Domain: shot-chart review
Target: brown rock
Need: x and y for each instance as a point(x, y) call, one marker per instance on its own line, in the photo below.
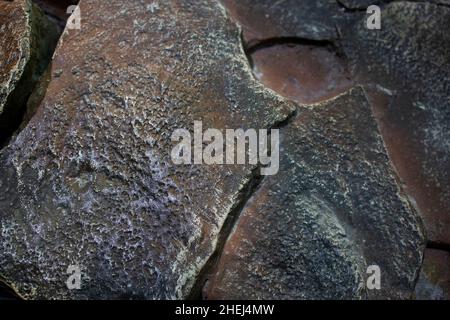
point(434, 280)
point(302, 73)
point(316, 20)
point(334, 209)
point(90, 181)
point(26, 47)
point(406, 69)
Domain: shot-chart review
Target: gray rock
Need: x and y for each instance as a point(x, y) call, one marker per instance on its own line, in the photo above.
point(406, 69)
point(268, 19)
point(334, 209)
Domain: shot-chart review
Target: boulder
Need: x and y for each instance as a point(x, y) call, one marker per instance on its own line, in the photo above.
point(405, 68)
point(26, 47)
point(333, 211)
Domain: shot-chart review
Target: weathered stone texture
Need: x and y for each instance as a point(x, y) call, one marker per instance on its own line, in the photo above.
point(406, 67)
point(90, 181)
point(15, 45)
point(26, 45)
point(434, 280)
point(311, 231)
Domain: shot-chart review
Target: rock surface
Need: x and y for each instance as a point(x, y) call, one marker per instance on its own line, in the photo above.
point(334, 209)
point(90, 182)
point(26, 46)
point(300, 72)
point(316, 20)
point(406, 69)
point(434, 280)
point(15, 45)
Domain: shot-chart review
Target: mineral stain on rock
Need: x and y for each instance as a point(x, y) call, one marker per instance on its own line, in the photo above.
point(301, 72)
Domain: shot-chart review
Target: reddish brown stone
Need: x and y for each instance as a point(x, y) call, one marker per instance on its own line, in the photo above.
point(267, 19)
point(303, 73)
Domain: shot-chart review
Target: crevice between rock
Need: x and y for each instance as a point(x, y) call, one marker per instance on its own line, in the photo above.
point(7, 292)
point(437, 245)
point(245, 195)
point(23, 101)
point(270, 42)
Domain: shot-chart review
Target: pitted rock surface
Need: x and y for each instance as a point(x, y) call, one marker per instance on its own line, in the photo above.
point(15, 45)
point(266, 19)
point(334, 209)
point(89, 182)
point(406, 69)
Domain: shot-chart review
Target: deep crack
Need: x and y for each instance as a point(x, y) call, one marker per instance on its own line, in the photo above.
point(245, 195)
point(438, 245)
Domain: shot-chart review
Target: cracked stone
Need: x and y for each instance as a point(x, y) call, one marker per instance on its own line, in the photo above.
point(90, 182)
point(311, 231)
point(434, 280)
point(26, 45)
point(405, 67)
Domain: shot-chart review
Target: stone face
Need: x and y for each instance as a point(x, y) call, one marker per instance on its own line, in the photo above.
point(406, 69)
point(56, 10)
point(334, 209)
point(315, 20)
point(434, 280)
point(90, 182)
point(26, 44)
